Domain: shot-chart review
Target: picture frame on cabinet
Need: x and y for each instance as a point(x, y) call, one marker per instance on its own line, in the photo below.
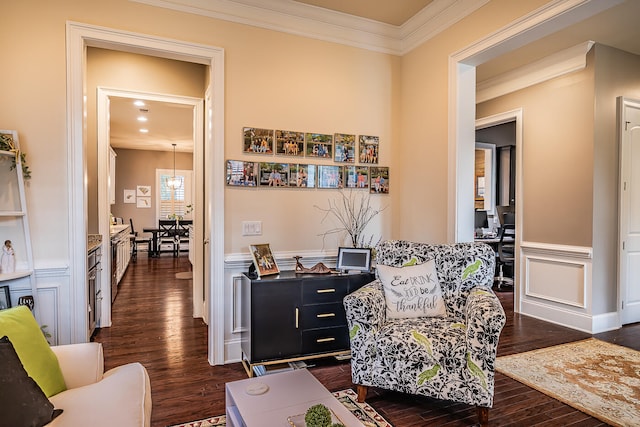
point(344, 147)
point(319, 145)
point(5, 298)
point(129, 196)
point(263, 259)
point(257, 141)
point(289, 143)
point(368, 147)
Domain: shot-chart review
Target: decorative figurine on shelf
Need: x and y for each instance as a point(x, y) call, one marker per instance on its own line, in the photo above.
point(319, 268)
point(8, 261)
point(299, 266)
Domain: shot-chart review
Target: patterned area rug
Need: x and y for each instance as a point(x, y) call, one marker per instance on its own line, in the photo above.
point(593, 376)
point(365, 413)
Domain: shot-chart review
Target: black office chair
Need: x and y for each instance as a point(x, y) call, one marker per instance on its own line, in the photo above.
point(506, 252)
point(135, 240)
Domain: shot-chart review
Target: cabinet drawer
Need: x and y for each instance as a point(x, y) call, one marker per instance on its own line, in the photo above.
point(325, 340)
point(332, 289)
point(323, 315)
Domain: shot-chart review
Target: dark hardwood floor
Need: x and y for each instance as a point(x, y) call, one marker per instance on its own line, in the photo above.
point(152, 324)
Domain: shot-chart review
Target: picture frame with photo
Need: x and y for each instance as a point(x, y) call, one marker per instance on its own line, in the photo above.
point(289, 143)
point(379, 179)
point(274, 174)
point(302, 175)
point(356, 176)
point(368, 149)
point(257, 140)
point(242, 174)
point(263, 259)
point(330, 176)
point(344, 148)
point(129, 196)
point(319, 145)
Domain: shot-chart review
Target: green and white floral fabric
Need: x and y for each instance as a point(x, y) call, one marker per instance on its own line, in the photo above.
point(450, 358)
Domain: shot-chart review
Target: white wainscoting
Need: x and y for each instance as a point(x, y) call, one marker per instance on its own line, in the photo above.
point(237, 264)
point(556, 286)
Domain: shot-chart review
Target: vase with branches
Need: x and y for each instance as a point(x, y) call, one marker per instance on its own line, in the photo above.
point(7, 144)
point(353, 211)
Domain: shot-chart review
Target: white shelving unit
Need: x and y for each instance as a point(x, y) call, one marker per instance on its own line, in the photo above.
point(14, 223)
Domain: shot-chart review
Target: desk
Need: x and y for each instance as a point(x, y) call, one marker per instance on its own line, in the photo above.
point(154, 250)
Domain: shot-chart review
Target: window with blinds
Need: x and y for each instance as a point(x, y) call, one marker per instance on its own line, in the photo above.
point(171, 201)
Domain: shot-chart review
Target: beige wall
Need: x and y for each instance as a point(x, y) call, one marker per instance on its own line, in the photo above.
point(557, 157)
point(138, 167)
point(125, 71)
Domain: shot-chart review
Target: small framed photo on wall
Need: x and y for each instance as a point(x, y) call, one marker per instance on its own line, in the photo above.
point(379, 179)
point(368, 149)
point(302, 176)
point(330, 176)
point(319, 145)
point(129, 196)
point(345, 148)
point(356, 176)
point(274, 174)
point(257, 141)
point(242, 174)
point(289, 143)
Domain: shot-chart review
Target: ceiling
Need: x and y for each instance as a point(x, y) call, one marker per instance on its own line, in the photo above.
point(168, 123)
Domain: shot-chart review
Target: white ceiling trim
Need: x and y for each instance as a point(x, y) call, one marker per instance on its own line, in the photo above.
point(556, 65)
point(322, 24)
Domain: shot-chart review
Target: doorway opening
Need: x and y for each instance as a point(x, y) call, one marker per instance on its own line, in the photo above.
point(79, 38)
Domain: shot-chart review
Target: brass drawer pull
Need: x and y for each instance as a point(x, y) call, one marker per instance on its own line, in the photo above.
point(325, 291)
point(322, 315)
point(297, 318)
point(325, 340)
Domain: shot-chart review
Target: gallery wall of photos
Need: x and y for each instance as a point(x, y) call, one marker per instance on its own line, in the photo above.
point(356, 159)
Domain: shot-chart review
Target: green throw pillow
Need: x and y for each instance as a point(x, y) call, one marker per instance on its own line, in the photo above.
point(33, 349)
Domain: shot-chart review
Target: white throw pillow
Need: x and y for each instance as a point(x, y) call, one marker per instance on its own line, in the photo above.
point(412, 291)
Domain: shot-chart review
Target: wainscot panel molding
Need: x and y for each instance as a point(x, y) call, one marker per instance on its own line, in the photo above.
point(238, 263)
point(328, 25)
point(556, 286)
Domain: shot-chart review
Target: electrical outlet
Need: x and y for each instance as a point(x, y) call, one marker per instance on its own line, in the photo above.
point(252, 228)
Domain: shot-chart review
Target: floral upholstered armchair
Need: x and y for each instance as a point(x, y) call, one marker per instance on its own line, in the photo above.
point(448, 354)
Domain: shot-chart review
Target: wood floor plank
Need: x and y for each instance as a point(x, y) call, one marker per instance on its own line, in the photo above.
point(152, 324)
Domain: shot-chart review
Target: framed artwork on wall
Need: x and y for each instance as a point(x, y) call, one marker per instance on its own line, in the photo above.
point(368, 149)
point(319, 145)
point(330, 176)
point(257, 141)
point(356, 176)
point(143, 190)
point(302, 176)
point(274, 174)
point(379, 180)
point(143, 202)
point(129, 196)
point(5, 298)
point(263, 259)
point(289, 143)
point(345, 148)
point(242, 174)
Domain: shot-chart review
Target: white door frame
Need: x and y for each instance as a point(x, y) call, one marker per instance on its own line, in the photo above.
point(79, 37)
point(624, 281)
point(197, 128)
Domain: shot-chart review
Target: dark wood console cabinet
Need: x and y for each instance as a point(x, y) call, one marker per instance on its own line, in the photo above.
point(289, 316)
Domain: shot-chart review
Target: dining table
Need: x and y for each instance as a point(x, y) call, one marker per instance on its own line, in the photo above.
point(154, 250)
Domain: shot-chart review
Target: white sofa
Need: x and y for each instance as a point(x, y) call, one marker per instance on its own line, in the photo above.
point(119, 397)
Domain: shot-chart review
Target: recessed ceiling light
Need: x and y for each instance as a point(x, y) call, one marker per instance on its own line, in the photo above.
point(142, 119)
point(144, 130)
point(138, 103)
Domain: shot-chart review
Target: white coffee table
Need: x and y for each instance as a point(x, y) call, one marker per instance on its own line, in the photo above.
point(290, 393)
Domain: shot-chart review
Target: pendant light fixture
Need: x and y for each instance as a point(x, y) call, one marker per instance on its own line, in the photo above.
point(174, 182)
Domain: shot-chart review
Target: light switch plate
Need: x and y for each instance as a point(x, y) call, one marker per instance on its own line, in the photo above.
point(252, 228)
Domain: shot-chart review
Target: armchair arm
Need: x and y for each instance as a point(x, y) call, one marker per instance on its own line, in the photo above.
point(81, 364)
point(366, 307)
point(485, 319)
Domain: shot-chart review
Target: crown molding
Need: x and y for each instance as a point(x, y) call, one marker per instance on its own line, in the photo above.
point(305, 20)
point(555, 65)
